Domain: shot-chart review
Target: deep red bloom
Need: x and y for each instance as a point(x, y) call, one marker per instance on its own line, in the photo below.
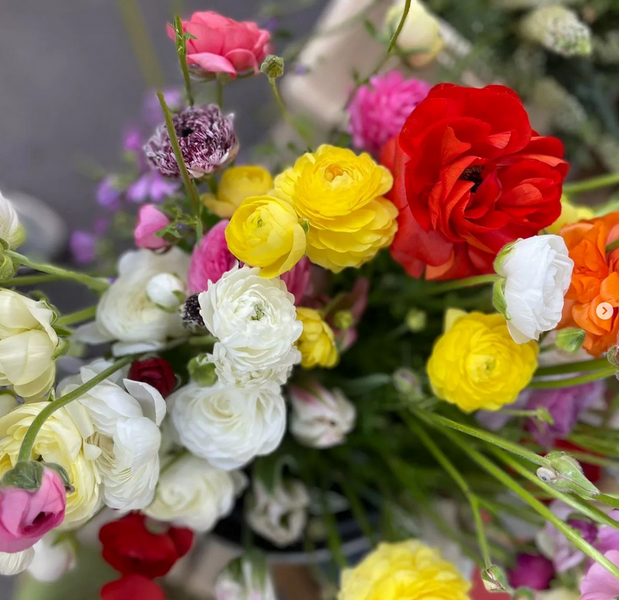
point(470, 176)
point(131, 548)
point(132, 587)
point(156, 372)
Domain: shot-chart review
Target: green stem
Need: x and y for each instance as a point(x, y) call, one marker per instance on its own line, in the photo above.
point(181, 50)
point(31, 280)
point(612, 246)
point(190, 188)
point(610, 500)
point(77, 317)
point(333, 537)
point(574, 367)
point(457, 284)
point(287, 116)
point(25, 452)
point(561, 383)
point(396, 34)
point(593, 183)
point(356, 507)
point(220, 94)
point(94, 283)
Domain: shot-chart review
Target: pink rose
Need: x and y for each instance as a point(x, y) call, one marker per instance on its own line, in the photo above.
point(378, 110)
point(26, 516)
point(224, 45)
point(150, 221)
point(297, 278)
point(210, 259)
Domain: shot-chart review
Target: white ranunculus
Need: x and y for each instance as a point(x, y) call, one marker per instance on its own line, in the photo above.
point(245, 578)
point(127, 314)
point(52, 559)
point(320, 418)
point(120, 426)
point(166, 290)
point(194, 494)
point(14, 563)
point(420, 32)
point(537, 273)
point(279, 516)
point(228, 426)
point(10, 229)
point(27, 344)
point(256, 324)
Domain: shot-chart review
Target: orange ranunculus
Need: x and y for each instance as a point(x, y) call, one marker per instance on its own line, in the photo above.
point(595, 280)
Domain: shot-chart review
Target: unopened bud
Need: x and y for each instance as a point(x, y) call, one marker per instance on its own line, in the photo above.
point(166, 290)
point(26, 475)
point(8, 268)
point(495, 580)
point(416, 320)
point(202, 371)
point(272, 66)
point(565, 474)
point(570, 339)
point(406, 382)
point(343, 319)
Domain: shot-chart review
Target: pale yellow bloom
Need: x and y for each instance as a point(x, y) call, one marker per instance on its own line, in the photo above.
point(265, 232)
point(236, 185)
point(317, 342)
point(476, 364)
point(404, 571)
point(570, 213)
point(340, 195)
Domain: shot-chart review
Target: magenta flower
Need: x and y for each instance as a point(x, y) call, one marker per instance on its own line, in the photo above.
point(26, 516)
point(378, 110)
point(598, 583)
point(150, 221)
point(297, 278)
point(210, 259)
point(532, 571)
point(83, 246)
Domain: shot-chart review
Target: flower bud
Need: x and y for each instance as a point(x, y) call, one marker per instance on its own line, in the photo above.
point(202, 370)
point(272, 66)
point(406, 382)
point(11, 232)
point(416, 320)
point(570, 339)
point(495, 580)
point(166, 290)
point(246, 578)
point(565, 474)
point(343, 320)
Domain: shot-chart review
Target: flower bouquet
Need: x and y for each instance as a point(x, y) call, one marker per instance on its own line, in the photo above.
point(409, 326)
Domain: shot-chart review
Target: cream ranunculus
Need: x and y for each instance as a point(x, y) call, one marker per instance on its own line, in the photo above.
point(61, 442)
point(279, 515)
point(166, 291)
point(27, 344)
point(14, 563)
point(11, 232)
point(321, 418)
point(52, 558)
point(194, 494)
point(227, 426)
point(256, 324)
point(126, 312)
point(536, 272)
point(120, 426)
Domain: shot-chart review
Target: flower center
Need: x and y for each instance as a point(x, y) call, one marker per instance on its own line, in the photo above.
point(473, 174)
point(333, 171)
point(186, 131)
point(258, 313)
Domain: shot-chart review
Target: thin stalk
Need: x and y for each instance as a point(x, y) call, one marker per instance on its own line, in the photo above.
point(357, 509)
point(574, 367)
point(31, 280)
point(593, 183)
point(94, 283)
point(77, 317)
point(287, 116)
point(561, 383)
point(396, 34)
point(220, 94)
point(181, 50)
point(457, 284)
point(333, 537)
point(610, 500)
point(190, 188)
point(25, 452)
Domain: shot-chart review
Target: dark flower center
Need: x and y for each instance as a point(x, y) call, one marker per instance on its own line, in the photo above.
point(473, 174)
point(186, 131)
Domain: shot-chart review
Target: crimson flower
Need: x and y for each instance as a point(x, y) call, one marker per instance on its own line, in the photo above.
point(132, 587)
point(156, 372)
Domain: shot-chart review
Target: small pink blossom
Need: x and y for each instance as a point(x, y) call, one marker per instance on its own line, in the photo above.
point(223, 45)
point(297, 278)
point(210, 259)
point(378, 110)
point(26, 516)
point(598, 583)
point(150, 221)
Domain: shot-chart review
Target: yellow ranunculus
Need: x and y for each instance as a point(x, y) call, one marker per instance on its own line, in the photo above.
point(570, 213)
point(265, 232)
point(476, 364)
point(59, 441)
point(340, 195)
point(27, 344)
point(404, 571)
point(237, 184)
point(317, 342)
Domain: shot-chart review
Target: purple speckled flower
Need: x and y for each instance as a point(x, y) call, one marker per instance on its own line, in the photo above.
point(206, 137)
point(83, 247)
point(151, 186)
point(532, 571)
point(378, 110)
point(108, 195)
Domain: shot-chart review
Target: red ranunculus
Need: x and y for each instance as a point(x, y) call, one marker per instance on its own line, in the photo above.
point(470, 176)
point(156, 372)
point(132, 587)
point(131, 548)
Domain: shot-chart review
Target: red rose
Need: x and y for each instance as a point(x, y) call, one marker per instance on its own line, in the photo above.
point(470, 176)
point(131, 548)
point(132, 587)
point(156, 372)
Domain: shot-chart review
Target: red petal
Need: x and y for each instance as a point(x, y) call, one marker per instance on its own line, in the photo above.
point(132, 587)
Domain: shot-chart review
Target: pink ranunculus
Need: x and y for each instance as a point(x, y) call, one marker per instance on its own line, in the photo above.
point(210, 259)
point(150, 221)
point(223, 45)
point(598, 583)
point(26, 516)
point(378, 110)
point(297, 278)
